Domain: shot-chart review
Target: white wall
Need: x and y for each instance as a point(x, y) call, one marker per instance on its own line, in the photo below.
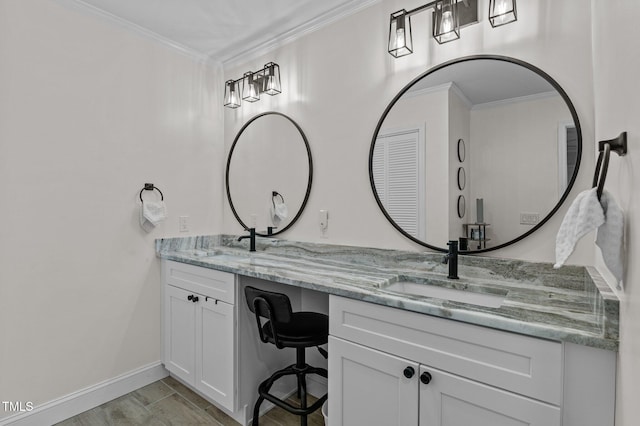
point(616, 60)
point(459, 128)
point(514, 162)
point(88, 114)
point(338, 80)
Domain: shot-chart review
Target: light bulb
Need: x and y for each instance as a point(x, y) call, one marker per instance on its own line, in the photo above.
point(252, 91)
point(271, 84)
point(447, 22)
point(500, 10)
point(400, 40)
point(234, 99)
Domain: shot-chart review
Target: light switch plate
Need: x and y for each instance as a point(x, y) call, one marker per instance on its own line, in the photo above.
point(184, 224)
point(529, 218)
point(323, 221)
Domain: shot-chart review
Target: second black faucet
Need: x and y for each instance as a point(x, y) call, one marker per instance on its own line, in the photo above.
point(252, 238)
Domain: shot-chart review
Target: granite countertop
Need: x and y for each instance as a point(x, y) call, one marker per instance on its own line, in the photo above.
point(572, 304)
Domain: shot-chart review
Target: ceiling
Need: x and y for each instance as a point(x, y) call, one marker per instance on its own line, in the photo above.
point(486, 81)
point(224, 29)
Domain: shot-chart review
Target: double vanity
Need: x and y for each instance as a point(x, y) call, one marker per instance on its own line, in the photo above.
point(509, 343)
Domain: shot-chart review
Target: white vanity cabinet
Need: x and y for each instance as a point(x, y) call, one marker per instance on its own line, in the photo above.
point(388, 367)
point(199, 330)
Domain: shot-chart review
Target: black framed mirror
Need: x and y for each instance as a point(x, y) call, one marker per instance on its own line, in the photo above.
point(269, 173)
point(511, 124)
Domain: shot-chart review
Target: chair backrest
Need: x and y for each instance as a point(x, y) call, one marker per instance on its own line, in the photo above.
point(267, 304)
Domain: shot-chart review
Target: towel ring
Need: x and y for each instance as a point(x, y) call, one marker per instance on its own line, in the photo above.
point(275, 194)
point(617, 145)
point(151, 187)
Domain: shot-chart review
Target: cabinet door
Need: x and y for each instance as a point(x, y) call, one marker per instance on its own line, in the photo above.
point(368, 387)
point(215, 351)
point(449, 400)
point(180, 333)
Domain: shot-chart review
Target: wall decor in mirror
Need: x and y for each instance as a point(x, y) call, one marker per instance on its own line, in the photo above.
point(461, 150)
point(462, 207)
point(269, 173)
point(511, 125)
point(462, 178)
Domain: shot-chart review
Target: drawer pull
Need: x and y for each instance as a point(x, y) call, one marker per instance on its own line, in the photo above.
point(425, 377)
point(409, 372)
point(190, 297)
point(195, 299)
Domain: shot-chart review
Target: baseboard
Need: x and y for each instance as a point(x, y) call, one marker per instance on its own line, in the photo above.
point(78, 402)
point(316, 385)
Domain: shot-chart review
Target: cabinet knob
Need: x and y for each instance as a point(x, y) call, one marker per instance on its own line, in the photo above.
point(190, 297)
point(409, 372)
point(425, 377)
point(195, 299)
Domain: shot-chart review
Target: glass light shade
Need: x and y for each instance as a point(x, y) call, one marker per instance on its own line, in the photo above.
point(400, 40)
point(250, 88)
point(272, 79)
point(231, 94)
point(446, 24)
point(502, 12)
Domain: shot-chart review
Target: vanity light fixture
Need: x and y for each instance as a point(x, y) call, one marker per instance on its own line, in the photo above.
point(400, 41)
point(266, 80)
point(250, 87)
point(447, 19)
point(502, 12)
point(231, 94)
point(446, 25)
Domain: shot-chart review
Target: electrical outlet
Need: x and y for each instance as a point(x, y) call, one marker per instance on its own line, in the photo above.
point(529, 218)
point(184, 223)
point(323, 221)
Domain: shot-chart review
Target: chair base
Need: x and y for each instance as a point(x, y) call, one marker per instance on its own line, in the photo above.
point(300, 369)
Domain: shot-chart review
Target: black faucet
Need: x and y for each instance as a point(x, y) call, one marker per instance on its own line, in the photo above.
point(452, 259)
point(252, 238)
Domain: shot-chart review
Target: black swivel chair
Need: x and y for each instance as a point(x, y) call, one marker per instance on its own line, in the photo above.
point(287, 329)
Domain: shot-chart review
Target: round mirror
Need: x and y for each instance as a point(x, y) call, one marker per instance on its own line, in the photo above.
point(513, 127)
point(269, 173)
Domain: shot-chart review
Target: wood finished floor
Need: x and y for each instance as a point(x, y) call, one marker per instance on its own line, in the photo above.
point(168, 402)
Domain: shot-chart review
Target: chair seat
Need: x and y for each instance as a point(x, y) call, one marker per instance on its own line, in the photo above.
point(306, 329)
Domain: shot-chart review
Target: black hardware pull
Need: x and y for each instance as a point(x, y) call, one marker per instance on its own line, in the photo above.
point(190, 297)
point(409, 372)
point(425, 378)
point(195, 299)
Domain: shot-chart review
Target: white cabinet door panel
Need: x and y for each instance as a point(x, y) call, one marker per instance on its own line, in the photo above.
point(367, 387)
point(215, 351)
point(450, 400)
point(180, 321)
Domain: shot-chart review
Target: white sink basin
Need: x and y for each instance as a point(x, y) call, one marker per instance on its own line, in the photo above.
point(462, 296)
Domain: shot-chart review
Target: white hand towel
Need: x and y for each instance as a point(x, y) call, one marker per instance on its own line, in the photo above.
point(584, 215)
point(151, 214)
point(279, 212)
point(610, 237)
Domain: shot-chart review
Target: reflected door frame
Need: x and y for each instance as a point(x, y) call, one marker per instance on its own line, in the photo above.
point(563, 176)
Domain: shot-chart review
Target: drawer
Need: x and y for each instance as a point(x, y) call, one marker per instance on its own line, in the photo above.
point(207, 282)
point(521, 364)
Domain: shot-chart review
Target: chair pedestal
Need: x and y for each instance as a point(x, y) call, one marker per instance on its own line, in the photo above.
point(300, 369)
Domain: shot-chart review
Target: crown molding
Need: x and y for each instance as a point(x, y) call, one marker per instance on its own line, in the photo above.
point(233, 58)
point(440, 88)
point(526, 98)
point(142, 31)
